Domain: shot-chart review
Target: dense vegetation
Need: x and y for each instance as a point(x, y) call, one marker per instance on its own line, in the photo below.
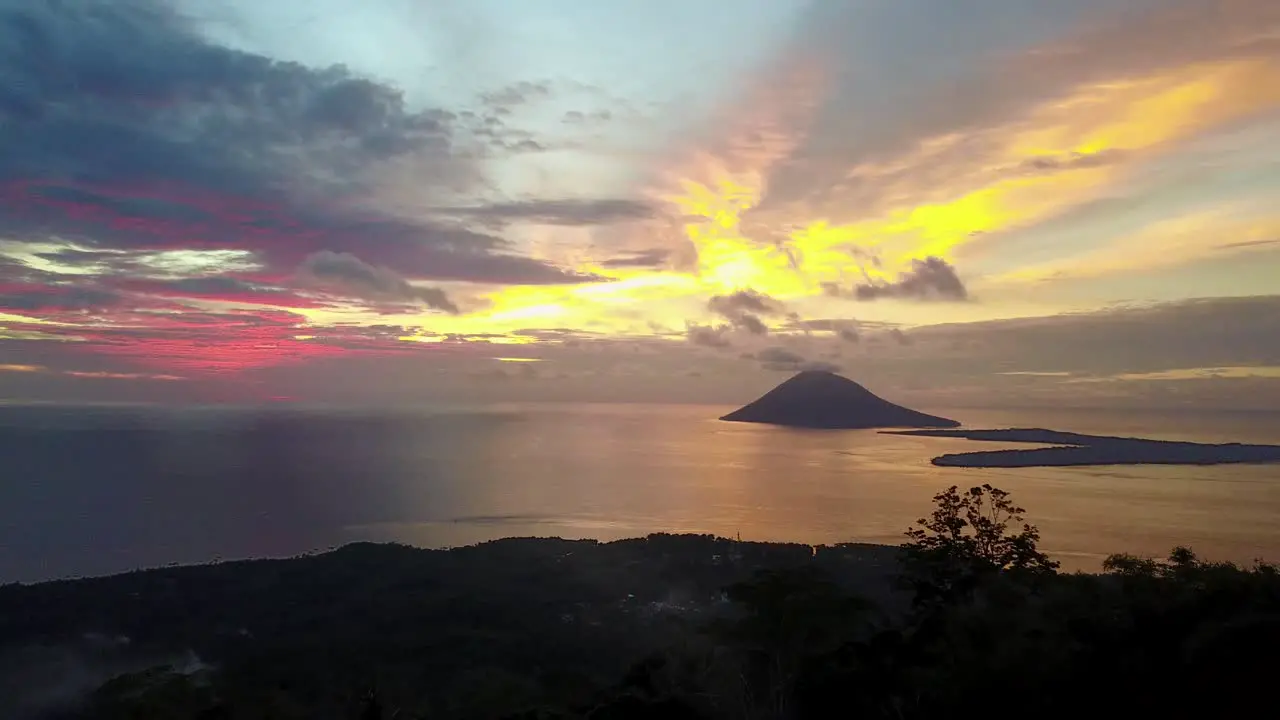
point(968, 618)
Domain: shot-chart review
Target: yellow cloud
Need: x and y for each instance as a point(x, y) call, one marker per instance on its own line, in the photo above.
point(22, 368)
point(1063, 153)
point(1189, 374)
point(1145, 112)
point(1169, 243)
point(711, 191)
point(102, 375)
point(949, 192)
point(23, 319)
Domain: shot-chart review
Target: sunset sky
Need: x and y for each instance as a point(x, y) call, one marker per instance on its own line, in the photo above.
point(386, 201)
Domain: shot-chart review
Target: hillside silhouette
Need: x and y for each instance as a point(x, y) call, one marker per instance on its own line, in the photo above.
point(967, 618)
point(824, 400)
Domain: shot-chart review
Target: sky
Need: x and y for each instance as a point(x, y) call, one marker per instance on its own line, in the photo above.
point(993, 202)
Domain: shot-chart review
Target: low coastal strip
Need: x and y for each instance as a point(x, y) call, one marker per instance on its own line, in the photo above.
point(1076, 449)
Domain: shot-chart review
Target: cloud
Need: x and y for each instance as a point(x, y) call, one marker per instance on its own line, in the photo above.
point(168, 199)
point(344, 272)
point(169, 342)
point(99, 91)
point(901, 337)
point(1251, 244)
point(745, 301)
point(568, 212)
point(518, 93)
point(223, 288)
point(104, 375)
point(929, 279)
point(1201, 333)
point(127, 130)
point(577, 117)
point(44, 298)
point(1245, 226)
point(780, 359)
point(278, 235)
point(1189, 374)
point(778, 355)
point(847, 331)
point(743, 308)
point(1035, 110)
point(1040, 164)
point(993, 74)
point(652, 258)
point(708, 336)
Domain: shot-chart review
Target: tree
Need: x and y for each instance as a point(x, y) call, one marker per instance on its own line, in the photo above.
point(790, 619)
point(968, 539)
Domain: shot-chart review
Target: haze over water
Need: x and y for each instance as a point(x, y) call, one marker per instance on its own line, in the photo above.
point(101, 490)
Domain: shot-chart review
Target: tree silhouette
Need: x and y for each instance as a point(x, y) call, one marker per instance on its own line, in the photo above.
point(968, 539)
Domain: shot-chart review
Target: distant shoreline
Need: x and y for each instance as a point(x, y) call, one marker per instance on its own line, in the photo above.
point(1080, 450)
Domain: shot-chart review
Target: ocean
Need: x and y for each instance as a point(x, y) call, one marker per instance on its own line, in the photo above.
point(99, 490)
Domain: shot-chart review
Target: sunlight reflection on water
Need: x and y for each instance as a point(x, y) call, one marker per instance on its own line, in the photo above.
point(116, 489)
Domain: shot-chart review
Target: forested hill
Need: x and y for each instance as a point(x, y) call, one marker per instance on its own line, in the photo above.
point(966, 619)
point(511, 623)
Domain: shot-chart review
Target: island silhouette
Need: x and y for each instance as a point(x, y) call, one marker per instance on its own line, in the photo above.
point(823, 400)
point(1078, 449)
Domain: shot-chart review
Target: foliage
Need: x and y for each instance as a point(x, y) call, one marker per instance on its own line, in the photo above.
point(158, 692)
point(966, 541)
point(787, 619)
point(685, 628)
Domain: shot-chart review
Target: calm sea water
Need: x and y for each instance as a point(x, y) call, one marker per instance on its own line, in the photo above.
point(90, 491)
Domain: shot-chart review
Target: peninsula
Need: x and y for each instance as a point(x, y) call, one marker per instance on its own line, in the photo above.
point(1076, 449)
point(824, 400)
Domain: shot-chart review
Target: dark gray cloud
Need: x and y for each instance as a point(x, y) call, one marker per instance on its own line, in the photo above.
point(745, 300)
point(222, 288)
point(743, 309)
point(1071, 161)
point(518, 93)
point(1211, 332)
point(652, 258)
point(778, 355)
point(751, 323)
point(709, 336)
point(929, 279)
point(347, 273)
point(212, 285)
point(577, 117)
point(1251, 244)
point(127, 88)
point(847, 330)
point(780, 359)
point(59, 298)
point(569, 212)
point(126, 129)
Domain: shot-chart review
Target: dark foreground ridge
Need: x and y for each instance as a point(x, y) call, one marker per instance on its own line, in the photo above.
point(824, 400)
point(966, 619)
point(471, 632)
point(1076, 449)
